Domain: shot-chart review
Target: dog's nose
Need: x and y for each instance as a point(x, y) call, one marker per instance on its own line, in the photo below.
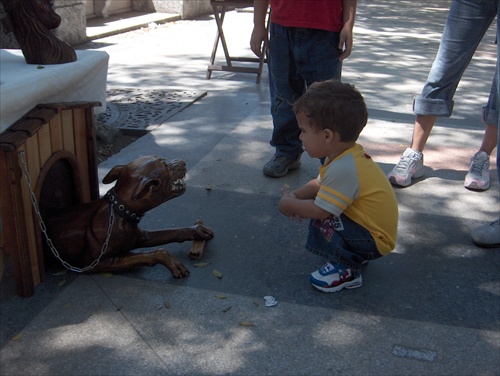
point(178, 163)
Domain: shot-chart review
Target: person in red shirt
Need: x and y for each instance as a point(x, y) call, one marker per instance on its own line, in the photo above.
point(308, 41)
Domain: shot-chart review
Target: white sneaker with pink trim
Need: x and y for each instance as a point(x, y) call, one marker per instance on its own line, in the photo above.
point(410, 166)
point(478, 177)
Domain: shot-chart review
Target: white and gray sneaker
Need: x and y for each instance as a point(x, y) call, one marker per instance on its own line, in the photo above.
point(410, 165)
point(488, 235)
point(478, 177)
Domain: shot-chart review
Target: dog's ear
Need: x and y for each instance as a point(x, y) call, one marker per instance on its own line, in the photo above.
point(113, 174)
point(145, 186)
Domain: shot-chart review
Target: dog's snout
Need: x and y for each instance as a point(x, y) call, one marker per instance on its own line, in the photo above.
point(178, 162)
point(178, 165)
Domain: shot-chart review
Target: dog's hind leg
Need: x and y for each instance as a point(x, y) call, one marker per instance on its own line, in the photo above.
point(151, 258)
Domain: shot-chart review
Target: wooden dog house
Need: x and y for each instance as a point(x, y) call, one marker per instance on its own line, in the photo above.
point(53, 143)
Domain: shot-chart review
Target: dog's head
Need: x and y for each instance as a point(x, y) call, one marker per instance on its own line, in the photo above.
point(148, 181)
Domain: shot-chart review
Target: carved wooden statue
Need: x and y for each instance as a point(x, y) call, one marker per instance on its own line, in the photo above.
point(32, 22)
point(103, 233)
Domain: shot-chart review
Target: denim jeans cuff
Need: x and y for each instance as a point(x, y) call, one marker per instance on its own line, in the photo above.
point(490, 116)
point(436, 107)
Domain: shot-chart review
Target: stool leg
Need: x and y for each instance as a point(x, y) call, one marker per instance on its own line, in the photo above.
point(220, 21)
point(216, 43)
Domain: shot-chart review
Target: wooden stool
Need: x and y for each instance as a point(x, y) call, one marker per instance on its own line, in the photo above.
point(219, 9)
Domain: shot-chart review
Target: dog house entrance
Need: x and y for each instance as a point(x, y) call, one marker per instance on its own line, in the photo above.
point(60, 187)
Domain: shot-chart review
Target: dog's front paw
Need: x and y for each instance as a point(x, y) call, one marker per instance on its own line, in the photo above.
point(202, 232)
point(178, 269)
point(173, 264)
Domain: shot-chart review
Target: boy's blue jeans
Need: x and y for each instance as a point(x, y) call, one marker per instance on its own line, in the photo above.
point(297, 58)
point(467, 22)
point(342, 241)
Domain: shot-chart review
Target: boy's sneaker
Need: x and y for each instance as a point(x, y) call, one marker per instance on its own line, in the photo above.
point(478, 177)
point(279, 166)
point(488, 235)
point(410, 165)
point(332, 278)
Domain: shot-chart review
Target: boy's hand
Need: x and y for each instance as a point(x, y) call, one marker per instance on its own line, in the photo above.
point(294, 216)
point(259, 36)
point(345, 43)
point(284, 191)
point(285, 195)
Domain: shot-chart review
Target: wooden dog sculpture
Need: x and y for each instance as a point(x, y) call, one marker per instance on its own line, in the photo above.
point(79, 233)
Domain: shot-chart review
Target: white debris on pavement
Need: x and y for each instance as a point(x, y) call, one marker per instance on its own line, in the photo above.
point(270, 301)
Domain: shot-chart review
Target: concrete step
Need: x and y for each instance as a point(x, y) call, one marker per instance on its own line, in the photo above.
point(119, 23)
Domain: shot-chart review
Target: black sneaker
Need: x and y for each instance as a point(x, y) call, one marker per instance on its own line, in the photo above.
point(279, 166)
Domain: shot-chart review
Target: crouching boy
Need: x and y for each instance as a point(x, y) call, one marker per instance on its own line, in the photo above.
point(352, 207)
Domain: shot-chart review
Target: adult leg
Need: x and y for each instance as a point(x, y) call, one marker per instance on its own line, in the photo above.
point(490, 140)
point(489, 235)
point(421, 131)
point(285, 88)
point(317, 55)
point(467, 22)
point(298, 57)
point(478, 176)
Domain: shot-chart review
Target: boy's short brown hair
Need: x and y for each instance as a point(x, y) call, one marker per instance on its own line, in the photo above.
point(334, 105)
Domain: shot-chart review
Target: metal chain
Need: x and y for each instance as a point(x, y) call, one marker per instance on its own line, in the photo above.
point(44, 229)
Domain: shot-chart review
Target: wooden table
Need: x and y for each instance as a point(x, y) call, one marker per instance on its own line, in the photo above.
point(219, 9)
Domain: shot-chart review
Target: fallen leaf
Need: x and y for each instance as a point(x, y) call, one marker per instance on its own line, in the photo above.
point(62, 272)
point(226, 309)
point(107, 275)
point(61, 283)
point(217, 274)
point(246, 323)
point(201, 264)
point(220, 296)
point(18, 336)
point(287, 186)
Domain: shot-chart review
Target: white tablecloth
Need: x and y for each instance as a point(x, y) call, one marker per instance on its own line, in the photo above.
point(23, 86)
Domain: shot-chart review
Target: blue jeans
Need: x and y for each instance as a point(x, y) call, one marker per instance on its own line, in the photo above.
point(342, 241)
point(468, 21)
point(297, 58)
point(490, 111)
point(498, 89)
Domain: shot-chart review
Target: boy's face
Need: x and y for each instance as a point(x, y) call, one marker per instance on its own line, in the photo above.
point(314, 141)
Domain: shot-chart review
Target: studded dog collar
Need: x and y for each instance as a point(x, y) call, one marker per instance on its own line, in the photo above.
point(121, 208)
